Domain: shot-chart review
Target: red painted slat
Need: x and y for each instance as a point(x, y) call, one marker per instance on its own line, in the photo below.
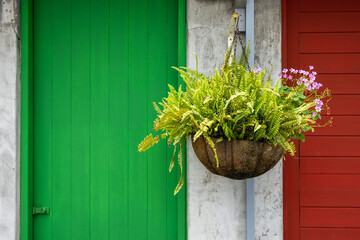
point(330, 146)
point(329, 42)
point(341, 83)
point(330, 22)
point(290, 37)
point(330, 217)
point(329, 5)
point(330, 182)
point(341, 125)
point(329, 234)
point(343, 105)
point(322, 198)
point(331, 63)
point(347, 165)
point(330, 190)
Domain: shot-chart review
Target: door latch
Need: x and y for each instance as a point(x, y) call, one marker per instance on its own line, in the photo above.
point(41, 210)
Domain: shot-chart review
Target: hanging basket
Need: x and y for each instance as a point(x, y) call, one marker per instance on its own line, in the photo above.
point(238, 159)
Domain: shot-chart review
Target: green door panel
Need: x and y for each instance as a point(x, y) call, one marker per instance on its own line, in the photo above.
point(98, 65)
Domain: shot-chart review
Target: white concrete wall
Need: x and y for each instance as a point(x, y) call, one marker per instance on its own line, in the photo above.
point(9, 127)
point(268, 187)
point(217, 205)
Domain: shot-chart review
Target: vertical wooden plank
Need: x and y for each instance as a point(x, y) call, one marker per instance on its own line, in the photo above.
point(119, 123)
point(61, 132)
point(26, 131)
point(138, 121)
point(43, 85)
point(172, 79)
point(182, 198)
point(291, 164)
point(157, 168)
point(80, 110)
point(99, 119)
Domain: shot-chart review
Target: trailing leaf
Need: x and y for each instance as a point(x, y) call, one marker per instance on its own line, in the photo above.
point(148, 142)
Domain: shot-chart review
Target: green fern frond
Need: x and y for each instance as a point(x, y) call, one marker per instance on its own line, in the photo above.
point(148, 142)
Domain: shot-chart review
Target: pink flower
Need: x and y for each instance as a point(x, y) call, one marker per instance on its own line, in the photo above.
point(285, 76)
point(292, 70)
point(319, 104)
point(317, 85)
point(284, 70)
point(256, 70)
point(314, 114)
point(290, 77)
point(314, 73)
point(312, 77)
point(311, 67)
point(280, 75)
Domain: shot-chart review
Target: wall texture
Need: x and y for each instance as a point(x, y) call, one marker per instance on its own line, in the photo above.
point(9, 127)
point(268, 187)
point(216, 205)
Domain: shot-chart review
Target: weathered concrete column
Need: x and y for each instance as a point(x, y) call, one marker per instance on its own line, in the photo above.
point(216, 205)
point(268, 187)
point(9, 119)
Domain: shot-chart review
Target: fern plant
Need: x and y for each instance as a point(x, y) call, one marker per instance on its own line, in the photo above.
point(237, 103)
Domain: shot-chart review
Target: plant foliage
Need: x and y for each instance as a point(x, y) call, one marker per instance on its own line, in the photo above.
point(237, 103)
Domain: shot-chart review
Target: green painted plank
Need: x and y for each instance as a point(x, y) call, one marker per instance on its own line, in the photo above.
point(26, 132)
point(157, 160)
point(182, 198)
point(61, 120)
point(138, 121)
point(80, 125)
point(174, 176)
point(43, 116)
point(119, 122)
point(99, 120)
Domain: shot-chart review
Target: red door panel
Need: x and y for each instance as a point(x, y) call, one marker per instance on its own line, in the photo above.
point(329, 234)
point(341, 83)
point(330, 146)
point(329, 42)
point(322, 182)
point(349, 165)
point(330, 217)
point(341, 125)
point(330, 21)
point(326, 5)
point(332, 63)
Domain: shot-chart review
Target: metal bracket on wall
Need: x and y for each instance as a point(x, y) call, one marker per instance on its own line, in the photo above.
point(242, 19)
point(41, 210)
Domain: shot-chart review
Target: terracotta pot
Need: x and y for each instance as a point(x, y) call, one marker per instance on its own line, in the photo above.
point(238, 159)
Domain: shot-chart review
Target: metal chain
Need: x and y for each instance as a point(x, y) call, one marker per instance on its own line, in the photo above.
point(237, 35)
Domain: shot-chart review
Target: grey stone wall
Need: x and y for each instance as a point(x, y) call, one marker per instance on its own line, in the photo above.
point(216, 205)
point(268, 187)
point(9, 127)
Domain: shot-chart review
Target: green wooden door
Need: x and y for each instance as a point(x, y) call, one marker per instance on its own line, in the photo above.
point(98, 65)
